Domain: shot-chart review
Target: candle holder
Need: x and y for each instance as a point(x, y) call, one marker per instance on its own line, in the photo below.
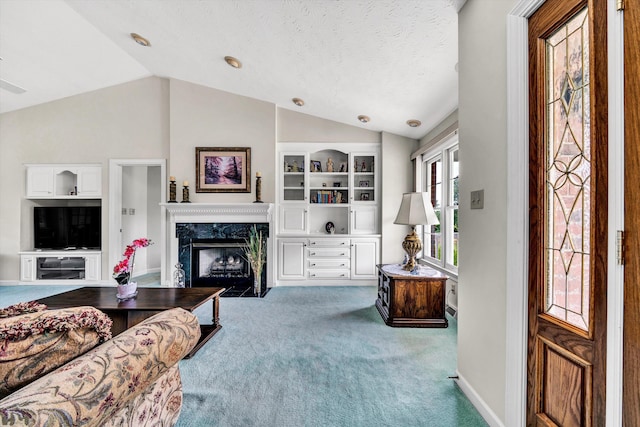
point(185, 194)
point(258, 189)
point(172, 192)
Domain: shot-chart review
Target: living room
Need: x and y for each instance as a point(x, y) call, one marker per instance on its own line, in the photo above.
point(155, 117)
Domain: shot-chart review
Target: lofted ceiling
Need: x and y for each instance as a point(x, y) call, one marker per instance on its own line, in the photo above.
point(391, 60)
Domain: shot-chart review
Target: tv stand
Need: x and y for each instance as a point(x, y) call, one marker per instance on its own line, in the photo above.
point(58, 266)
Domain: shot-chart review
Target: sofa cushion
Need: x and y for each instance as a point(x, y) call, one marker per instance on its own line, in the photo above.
point(96, 386)
point(36, 343)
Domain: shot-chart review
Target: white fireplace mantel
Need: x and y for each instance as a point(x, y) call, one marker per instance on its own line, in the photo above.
point(219, 212)
point(179, 213)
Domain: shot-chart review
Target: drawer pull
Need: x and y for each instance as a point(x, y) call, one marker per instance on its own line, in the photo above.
point(313, 253)
point(313, 243)
point(313, 275)
point(342, 265)
point(342, 254)
point(313, 265)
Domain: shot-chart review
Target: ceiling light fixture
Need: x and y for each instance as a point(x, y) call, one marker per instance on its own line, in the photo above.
point(414, 123)
point(299, 102)
point(140, 40)
point(364, 119)
point(235, 63)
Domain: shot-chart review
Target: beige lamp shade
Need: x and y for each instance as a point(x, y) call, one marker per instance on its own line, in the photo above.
point(416, 209)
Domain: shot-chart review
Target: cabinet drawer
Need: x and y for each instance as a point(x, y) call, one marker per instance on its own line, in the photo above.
point(329, 274)
point(329, 253)
point(332, 243)
point(329, 263)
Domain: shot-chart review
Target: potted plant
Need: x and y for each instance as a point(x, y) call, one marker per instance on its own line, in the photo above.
point(122, 272)
point(255, 252)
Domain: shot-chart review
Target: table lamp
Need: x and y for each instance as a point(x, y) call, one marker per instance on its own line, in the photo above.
point(415, 209)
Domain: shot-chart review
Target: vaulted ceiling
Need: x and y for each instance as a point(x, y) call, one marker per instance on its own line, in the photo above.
point(391, 60)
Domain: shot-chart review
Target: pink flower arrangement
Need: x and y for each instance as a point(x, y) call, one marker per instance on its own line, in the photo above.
point(122, 270)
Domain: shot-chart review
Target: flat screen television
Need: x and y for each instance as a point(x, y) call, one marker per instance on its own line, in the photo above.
point(67, 227)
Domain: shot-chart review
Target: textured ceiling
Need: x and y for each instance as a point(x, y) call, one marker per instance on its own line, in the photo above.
point(389, 60)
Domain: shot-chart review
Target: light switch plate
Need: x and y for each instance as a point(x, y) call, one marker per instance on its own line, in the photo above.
point(477, 199)
point(132, 211)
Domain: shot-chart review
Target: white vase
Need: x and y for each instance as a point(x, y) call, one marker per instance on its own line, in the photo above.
point(127, 291)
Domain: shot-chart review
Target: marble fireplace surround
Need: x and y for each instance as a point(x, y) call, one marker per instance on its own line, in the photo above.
point(198, 214)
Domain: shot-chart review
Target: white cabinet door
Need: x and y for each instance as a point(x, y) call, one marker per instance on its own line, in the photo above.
point(90, 181)
point(27, 268)
point(364, 220)
point(92, 267)
point(293, 219)
point(291, 264)
point(39, 182)
point(364, 258)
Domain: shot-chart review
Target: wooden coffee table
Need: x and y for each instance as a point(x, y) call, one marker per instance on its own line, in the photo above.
point(149, 301)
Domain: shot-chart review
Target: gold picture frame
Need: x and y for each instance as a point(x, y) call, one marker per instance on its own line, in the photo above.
point(223, 170)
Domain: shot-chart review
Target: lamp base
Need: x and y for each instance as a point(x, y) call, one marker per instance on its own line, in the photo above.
point(411, 245)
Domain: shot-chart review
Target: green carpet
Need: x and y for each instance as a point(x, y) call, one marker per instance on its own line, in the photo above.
point(317, 356)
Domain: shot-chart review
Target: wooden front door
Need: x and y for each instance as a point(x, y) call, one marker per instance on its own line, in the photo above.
point(631, 354)
point(568, 214)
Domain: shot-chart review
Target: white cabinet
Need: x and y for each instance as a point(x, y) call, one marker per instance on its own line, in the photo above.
point(293, 218)
point(49, 181)
point(328, 260)
point(364, 219)
point(328, 213)
point(364, 258)
point(56, 266)
point(291, 259)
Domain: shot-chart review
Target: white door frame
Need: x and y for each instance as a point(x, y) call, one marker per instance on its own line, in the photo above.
point(518, 221)
point(115, 209)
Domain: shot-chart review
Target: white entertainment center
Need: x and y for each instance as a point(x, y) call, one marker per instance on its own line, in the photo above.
point(62, 185)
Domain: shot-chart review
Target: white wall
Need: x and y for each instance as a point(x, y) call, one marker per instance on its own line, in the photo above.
point(294, 126)
point(483, 149)
point(204, 117)
point(397, 178)
point(124, 121)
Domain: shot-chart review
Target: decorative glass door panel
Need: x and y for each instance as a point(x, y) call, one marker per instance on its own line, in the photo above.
point(568, 174)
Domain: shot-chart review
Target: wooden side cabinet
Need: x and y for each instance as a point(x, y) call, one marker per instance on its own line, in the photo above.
point(414, 300)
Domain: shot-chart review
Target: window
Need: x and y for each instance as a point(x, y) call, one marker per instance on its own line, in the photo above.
point(439, 175)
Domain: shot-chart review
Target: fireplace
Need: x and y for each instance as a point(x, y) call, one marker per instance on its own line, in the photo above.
point(212, 255)
point(196, 228)
point(222, 263)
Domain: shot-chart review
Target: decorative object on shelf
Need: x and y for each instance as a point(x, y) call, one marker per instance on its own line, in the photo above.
point(329, 165)
point(363, 168)
point(415, 209)
point(316, 166)
point(295, 167)
point(286, 166)
point(336, 184)
point(364, 196)
point(343, 167)
point(330, 228)
point(255, 252)
point(178, 276)
point(122, 271)
point(363, 183)
point(258, 188)
point(355, 165)
point(172, 189)
point(185, 192)
point(223, 170)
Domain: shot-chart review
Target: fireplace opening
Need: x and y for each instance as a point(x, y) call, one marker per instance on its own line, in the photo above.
point(222, 263)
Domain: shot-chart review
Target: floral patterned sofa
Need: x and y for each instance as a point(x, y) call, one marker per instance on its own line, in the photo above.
point(130, 380)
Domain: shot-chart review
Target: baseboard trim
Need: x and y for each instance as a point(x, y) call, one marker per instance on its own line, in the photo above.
point(489, 416)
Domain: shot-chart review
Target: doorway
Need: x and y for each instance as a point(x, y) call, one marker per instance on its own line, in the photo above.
point(137, 189)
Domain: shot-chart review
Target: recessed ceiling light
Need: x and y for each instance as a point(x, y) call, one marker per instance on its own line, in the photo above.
point(235, 63)
point(364, 119)
point(299, 102)
point(414, 123)
point(140, 40)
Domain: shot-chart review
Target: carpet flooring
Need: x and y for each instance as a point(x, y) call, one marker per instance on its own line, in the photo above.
point(313, 356)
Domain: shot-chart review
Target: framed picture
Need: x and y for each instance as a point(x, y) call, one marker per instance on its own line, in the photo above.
point(316, 166)
point(364, 196)
point(223, 170)
point(364, 183)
